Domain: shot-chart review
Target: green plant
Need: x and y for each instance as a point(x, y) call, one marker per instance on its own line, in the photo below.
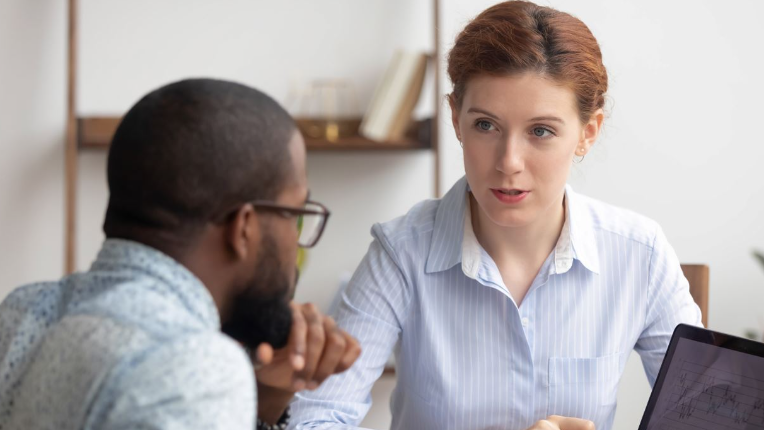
point(759, 256)
point(752, 334)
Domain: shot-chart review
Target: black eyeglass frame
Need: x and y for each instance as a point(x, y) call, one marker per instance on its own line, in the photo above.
point(292, 212)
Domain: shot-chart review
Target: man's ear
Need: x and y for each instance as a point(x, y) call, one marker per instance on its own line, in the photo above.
point(242, 231)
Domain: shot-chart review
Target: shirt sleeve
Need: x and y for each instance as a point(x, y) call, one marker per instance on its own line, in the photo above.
point(199, 382)
point(372, 309)
point(669, 304)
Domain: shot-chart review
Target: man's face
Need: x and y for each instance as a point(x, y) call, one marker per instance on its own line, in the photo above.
point(261, 312)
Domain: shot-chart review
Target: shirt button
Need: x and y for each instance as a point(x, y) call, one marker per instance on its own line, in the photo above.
point(525, 322)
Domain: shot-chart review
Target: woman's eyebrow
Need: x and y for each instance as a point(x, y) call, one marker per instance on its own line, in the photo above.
point(547, 118)
point(481, 111)
point(538, 118)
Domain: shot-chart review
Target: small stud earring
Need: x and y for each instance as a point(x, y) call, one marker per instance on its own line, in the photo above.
point(582, 152)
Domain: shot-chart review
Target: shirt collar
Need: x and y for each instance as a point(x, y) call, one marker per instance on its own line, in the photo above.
point(446, 243)
point(581, 225)
point(118, 255)
point(472, 251)
point(453, 240)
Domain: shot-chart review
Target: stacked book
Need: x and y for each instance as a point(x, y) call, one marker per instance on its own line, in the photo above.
point(394, 100)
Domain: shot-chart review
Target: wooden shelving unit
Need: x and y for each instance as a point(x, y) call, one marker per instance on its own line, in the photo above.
point(95, 133)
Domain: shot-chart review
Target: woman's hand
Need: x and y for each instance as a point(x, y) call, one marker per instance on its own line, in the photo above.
point(556, 422)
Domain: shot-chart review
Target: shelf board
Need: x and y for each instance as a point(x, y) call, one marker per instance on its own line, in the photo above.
point(96, 133)
point(358, 143)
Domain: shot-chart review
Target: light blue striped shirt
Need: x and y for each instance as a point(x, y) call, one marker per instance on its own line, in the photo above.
point(467, 357)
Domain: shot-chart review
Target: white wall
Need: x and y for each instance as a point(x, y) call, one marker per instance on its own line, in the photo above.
point(682, 144)
point(32, 120)
point(128, 48)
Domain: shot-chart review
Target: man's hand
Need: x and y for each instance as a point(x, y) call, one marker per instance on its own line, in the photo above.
point(316, 350)
point(556, 422)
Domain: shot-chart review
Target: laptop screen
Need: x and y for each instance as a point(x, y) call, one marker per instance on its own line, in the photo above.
point(708, 381)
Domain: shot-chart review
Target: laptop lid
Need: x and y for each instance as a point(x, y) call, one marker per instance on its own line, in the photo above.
point(708, 380)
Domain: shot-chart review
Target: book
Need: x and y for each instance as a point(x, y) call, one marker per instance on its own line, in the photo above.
point(394, 99)
point(370, 120)
point(402, 119)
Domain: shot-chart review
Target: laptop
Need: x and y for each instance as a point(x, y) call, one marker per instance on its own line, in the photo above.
point(708, 381)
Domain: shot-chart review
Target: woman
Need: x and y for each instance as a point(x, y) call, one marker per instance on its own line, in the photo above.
point(513, 297)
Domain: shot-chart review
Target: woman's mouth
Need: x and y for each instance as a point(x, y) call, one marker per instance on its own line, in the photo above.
point(509, 196)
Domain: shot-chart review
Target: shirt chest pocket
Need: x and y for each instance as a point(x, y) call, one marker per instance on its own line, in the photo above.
point(584, 387)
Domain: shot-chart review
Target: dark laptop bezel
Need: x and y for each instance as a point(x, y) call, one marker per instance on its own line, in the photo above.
point(684, 331)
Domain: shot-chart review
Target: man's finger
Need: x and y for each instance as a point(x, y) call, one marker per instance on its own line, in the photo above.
point(352, 352)
point(334, 349)
point(314, 343)
point(263, 354)
point(297, 337)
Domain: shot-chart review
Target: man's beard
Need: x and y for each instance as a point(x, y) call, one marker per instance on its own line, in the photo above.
point(261, 314)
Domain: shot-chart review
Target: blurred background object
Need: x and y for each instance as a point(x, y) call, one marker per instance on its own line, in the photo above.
point(327, 110)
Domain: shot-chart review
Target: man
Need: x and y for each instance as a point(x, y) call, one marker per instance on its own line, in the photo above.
point(208, 204)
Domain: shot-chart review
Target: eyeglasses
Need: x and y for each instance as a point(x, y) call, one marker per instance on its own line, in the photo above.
point(311, 219)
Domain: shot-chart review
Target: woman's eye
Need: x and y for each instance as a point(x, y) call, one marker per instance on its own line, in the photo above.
point(542, 132)
point(484, 125)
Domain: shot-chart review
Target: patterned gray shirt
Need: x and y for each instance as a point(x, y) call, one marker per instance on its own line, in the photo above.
point(134, 343)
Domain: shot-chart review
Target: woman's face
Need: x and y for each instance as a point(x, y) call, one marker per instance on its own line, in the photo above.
point(520, 134)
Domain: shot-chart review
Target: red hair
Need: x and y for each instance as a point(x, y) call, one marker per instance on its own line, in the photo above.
point(519, 36)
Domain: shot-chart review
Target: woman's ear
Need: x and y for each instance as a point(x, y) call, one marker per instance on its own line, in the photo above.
point(454, 116)
point(591, 132)
point(243, 231)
